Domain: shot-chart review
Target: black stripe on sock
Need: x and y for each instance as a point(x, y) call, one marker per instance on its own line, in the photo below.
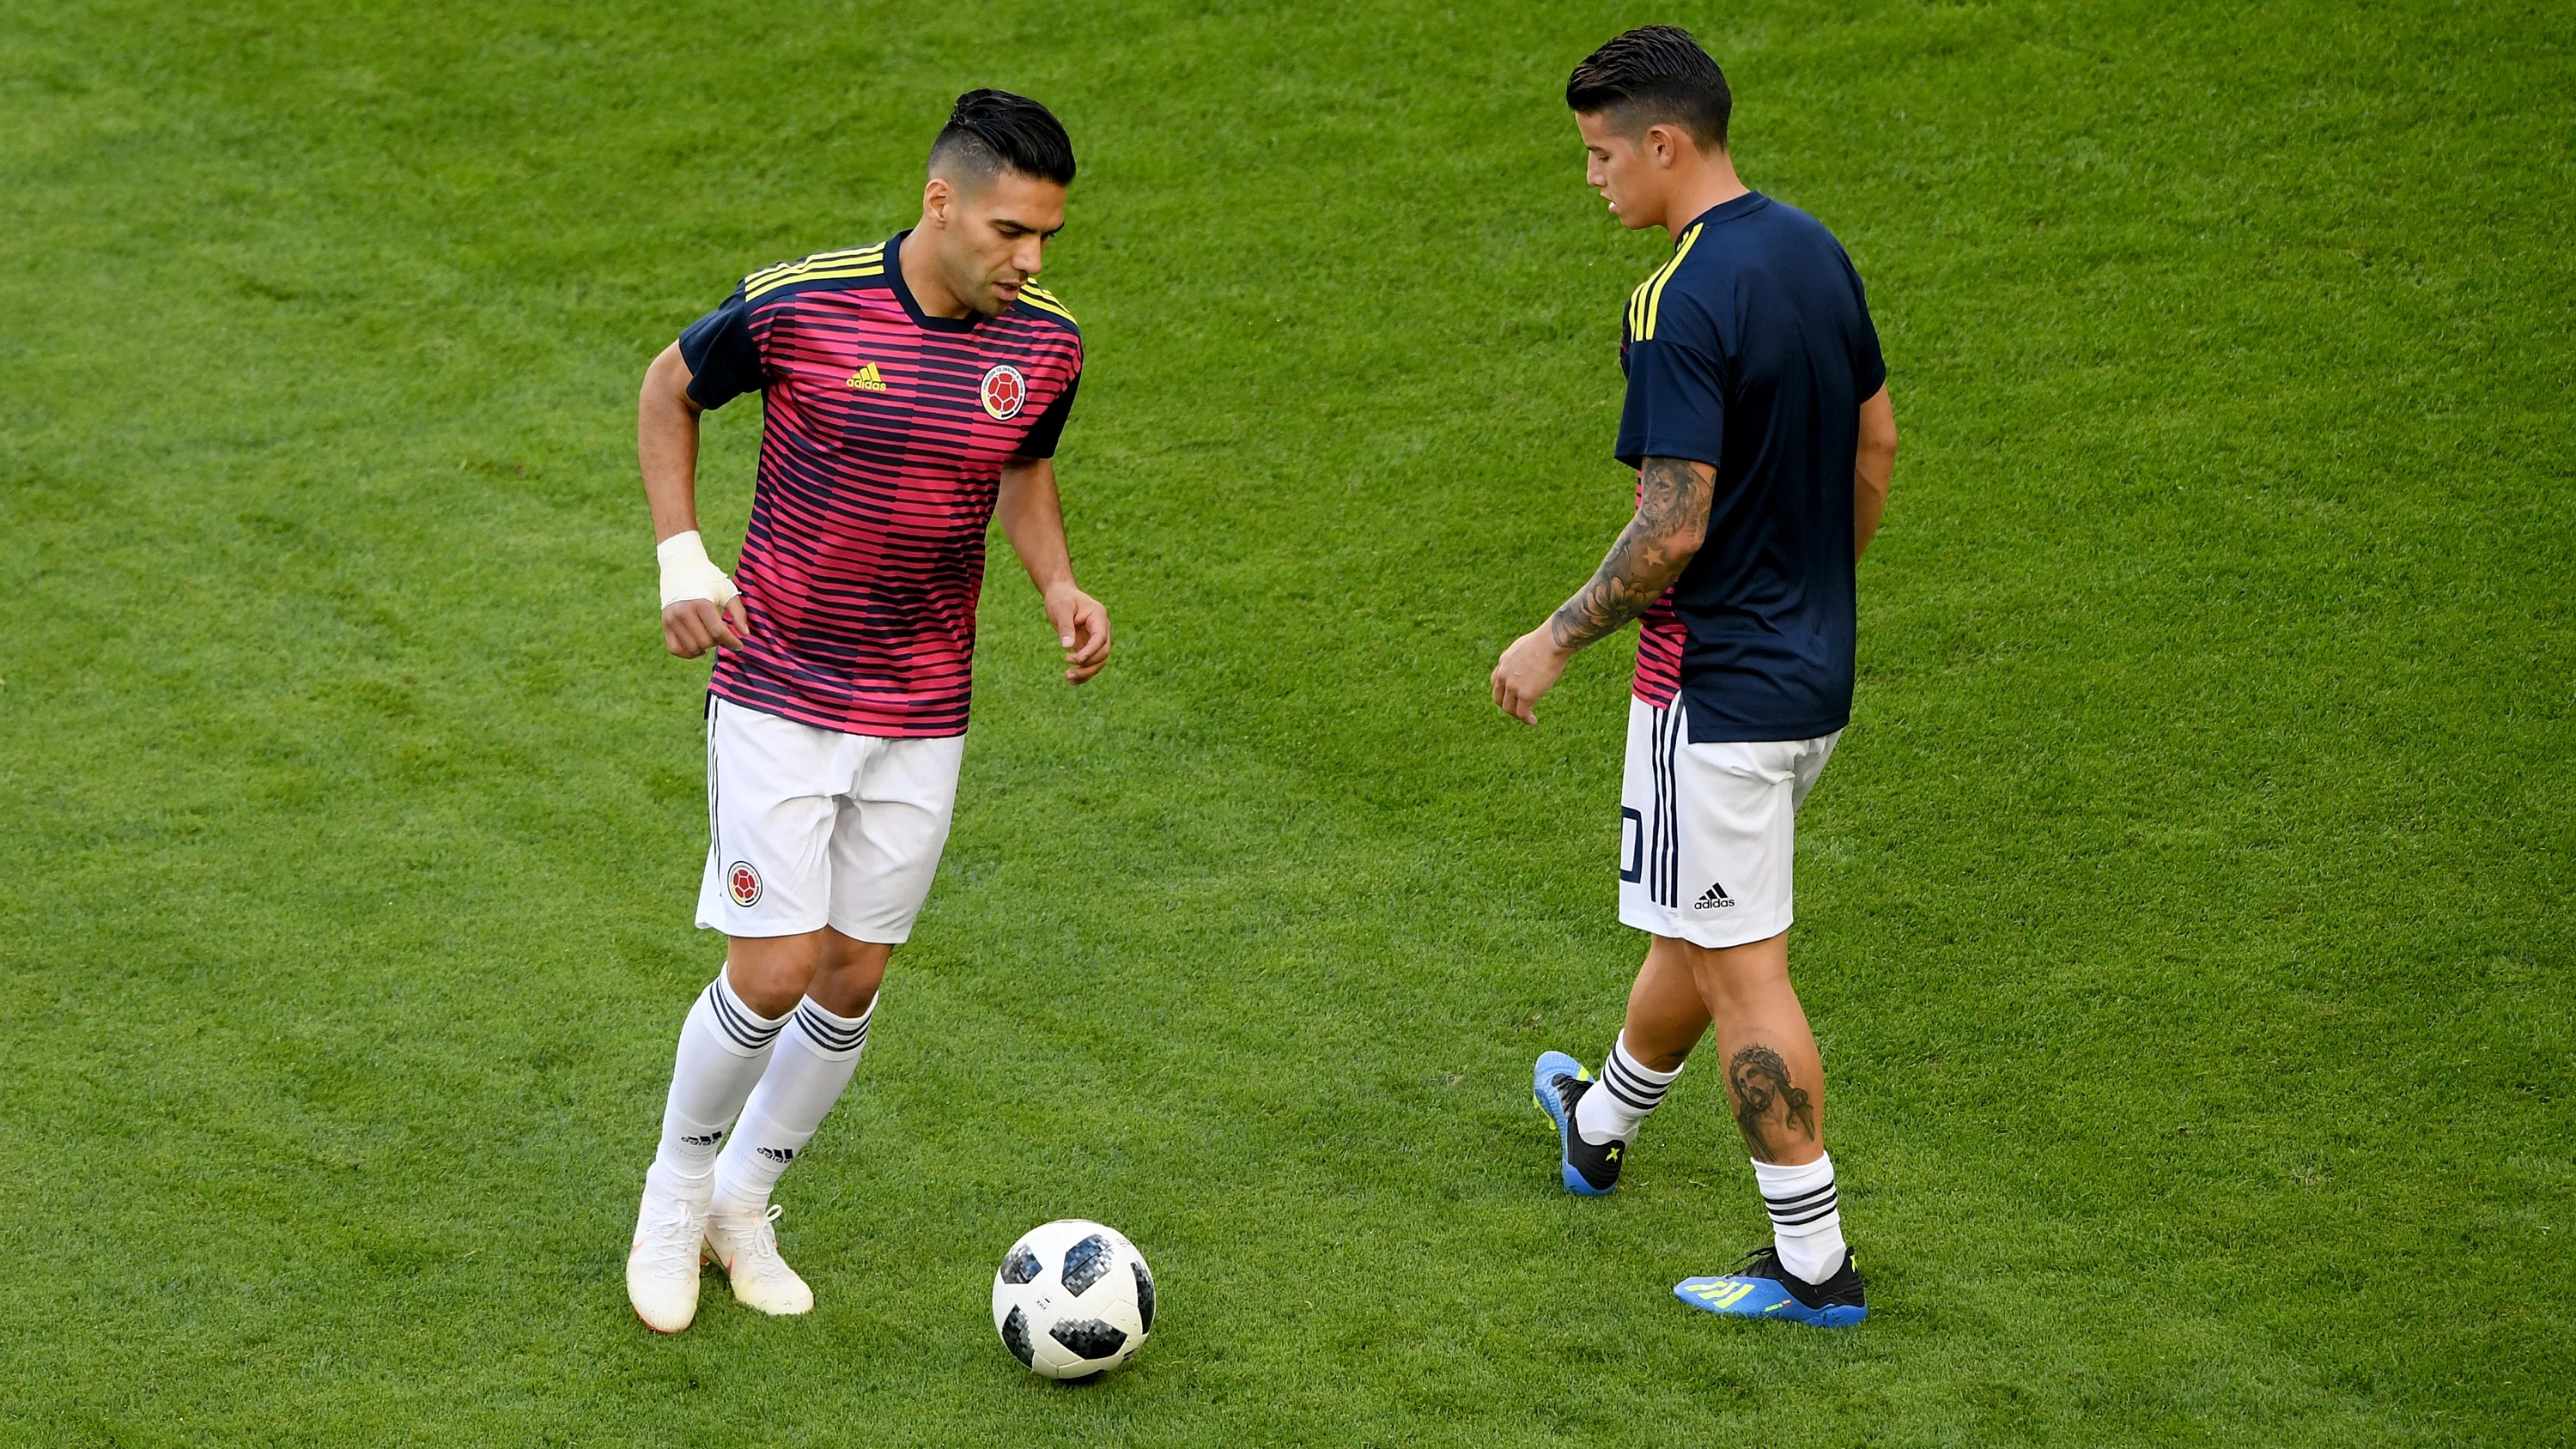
point(1797, 1200)
point(1630, 1083)
point(748, 1031)
point(1627, 1099)
point(1828, 1210)
point(1804, 1208)
point(1626, 1091)
point(829, 1035)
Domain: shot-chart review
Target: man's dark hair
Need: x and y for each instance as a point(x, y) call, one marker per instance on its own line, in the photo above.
point(1655, 73)
point(995, 131)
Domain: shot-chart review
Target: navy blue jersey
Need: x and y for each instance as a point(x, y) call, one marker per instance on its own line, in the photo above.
point(1751, 350)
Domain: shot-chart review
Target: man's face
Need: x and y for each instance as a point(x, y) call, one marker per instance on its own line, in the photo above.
point(1622, 168)
point(994, 236)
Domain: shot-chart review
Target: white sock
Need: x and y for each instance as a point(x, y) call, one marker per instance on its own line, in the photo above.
point(724, 1045)
point(1806, 1216)
point(815, 1057)
point(1617, 1105)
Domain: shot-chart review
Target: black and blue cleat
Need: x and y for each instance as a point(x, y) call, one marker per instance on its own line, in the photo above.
point(1761, 1288)
point(1558, 1083)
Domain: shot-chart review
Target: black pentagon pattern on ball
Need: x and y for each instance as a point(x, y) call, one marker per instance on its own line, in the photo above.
point(1022, 1266)
point(1015, 1337)
point(1085, 1263)
point(1088, 1338)
point(1144, 1294)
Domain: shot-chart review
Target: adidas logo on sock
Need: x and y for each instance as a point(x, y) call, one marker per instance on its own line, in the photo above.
point(707, 1140)
point(1715, 899)
point(778, 1154)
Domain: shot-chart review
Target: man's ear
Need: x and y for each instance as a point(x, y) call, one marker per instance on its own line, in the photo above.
point(1663, 144)
point(937, 196)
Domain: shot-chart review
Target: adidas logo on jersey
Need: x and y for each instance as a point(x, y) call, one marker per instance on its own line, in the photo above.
point(1715, 899)
point(868, 379)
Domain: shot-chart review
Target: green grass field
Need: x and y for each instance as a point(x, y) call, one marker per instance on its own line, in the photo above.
point(2185, 915)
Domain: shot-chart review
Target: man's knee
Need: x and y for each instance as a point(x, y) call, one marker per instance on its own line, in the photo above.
point(846, 978)
point(1740, 976)
point(770, 973)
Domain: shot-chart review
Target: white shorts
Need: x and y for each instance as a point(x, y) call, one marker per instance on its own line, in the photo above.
point(1707, 833)
point(812, 827)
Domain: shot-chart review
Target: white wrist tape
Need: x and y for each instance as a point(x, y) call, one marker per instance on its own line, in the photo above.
point(687, 572)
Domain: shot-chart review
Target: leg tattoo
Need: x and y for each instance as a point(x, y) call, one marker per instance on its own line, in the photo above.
point(1760, 1081)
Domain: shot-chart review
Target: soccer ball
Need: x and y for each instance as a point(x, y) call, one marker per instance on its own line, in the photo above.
point(1073, 1299)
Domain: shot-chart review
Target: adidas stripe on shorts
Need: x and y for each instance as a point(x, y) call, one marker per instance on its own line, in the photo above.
point(1707, 833)
point(812, 827)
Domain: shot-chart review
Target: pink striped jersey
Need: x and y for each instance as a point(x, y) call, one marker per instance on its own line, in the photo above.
point(883, 435)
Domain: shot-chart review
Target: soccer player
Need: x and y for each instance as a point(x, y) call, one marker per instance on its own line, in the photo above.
point(911, 391)
point(1758, 421)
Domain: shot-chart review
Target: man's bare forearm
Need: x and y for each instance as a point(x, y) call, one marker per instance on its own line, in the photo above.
point(1869, 500)
point(1651, 552)
point(1873, 469)
point(666, 445)
point(1032, 518)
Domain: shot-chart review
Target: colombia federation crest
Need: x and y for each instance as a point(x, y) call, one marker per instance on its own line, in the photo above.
point(1004, 391)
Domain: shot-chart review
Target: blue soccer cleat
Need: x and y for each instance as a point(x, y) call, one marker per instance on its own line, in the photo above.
point(1760, 1288)
point(1556, 1085)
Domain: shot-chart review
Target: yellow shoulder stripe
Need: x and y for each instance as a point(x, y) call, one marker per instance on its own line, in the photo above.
point(1637, 311)
point(835, 263)
point(1045, 301)
point(1655, 297)
point(827, 274)
point(818, 258)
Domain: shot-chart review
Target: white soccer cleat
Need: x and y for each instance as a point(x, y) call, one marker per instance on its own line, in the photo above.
point(746, 1246)
point(662, 1266)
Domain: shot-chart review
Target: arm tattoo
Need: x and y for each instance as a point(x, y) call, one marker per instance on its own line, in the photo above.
point(1760, 1081)
point(1652, 551)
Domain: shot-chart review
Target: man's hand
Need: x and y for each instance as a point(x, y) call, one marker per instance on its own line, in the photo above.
point(698, 601)
point(1032, 518)
point(1528, 670)
point(1082, 627)
point(691, 627)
